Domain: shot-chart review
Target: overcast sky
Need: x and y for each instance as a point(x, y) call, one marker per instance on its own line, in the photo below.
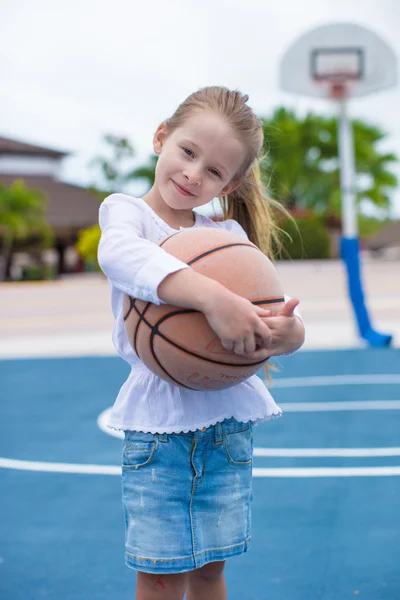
point(72, 71)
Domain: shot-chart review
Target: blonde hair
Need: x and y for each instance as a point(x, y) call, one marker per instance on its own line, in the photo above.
point(248, 204)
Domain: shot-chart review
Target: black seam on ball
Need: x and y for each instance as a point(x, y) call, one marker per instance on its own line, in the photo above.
point(132, 305)
point(141, 319)
point(155, 331)
point(268, 301)
point(213, 250)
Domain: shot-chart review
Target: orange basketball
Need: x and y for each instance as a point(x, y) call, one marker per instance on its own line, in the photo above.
point(178, 344)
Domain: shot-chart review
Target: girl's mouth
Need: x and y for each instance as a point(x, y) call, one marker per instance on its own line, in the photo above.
point(182, 190)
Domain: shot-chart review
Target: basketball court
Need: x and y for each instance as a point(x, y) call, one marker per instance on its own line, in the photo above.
point(326, 519)
point(326, 476)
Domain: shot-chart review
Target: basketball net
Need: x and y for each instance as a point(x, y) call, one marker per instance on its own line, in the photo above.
point(337, 86)
point(337, 90)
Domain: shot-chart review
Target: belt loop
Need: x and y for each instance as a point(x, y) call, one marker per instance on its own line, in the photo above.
point(218, 434)
point(163, 437)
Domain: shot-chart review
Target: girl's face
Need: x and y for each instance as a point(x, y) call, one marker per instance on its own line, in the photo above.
point(197, 161)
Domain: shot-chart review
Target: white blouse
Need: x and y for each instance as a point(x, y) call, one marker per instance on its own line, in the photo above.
point(134, 264)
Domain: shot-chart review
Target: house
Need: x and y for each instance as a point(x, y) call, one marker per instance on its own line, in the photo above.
point(387, 237)
point(69, 207)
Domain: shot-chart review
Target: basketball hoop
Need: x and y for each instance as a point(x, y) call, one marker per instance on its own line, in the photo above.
point(340, 61)
point(334, 87)
point(337, 90)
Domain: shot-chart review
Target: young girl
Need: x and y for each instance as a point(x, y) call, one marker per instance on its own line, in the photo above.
point(187, 455)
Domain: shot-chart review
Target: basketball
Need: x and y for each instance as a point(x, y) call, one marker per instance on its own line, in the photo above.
point(178, 344)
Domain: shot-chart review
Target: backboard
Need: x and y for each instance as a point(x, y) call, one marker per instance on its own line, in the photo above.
point(338, 60)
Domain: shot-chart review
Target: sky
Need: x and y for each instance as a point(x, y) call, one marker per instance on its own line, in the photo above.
point(73, 71)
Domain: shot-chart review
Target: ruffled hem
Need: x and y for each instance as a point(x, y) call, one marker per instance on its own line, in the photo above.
point(170, 430)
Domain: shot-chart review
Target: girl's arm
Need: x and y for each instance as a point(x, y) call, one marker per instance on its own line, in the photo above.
point(143, 270)
point(235, 320)
point(132, 263)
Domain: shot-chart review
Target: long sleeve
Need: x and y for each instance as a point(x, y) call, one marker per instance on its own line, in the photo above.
point(132, 263)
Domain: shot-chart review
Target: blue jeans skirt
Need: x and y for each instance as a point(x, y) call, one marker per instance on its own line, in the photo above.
point(186, 497)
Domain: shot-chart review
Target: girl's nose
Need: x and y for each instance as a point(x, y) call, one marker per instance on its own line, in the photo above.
point(192, 176)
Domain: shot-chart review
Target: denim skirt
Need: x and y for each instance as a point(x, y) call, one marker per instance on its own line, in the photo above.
point(187, 496)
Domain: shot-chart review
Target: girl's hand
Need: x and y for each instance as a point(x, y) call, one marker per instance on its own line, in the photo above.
point(239, 325)
point(235, 320)
point(287, 331)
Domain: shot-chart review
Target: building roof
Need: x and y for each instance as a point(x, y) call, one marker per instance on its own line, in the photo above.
point(68, 206)
point(388, 237)
point(11, 146)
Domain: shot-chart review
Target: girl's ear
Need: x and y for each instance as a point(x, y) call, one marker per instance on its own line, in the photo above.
point(228, 189)
point(159, 138)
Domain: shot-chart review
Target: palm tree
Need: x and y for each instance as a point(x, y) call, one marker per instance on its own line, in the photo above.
point(111, 171)
point(146, 172)
point(302, 163)
point(112, 176)
point(22, 214)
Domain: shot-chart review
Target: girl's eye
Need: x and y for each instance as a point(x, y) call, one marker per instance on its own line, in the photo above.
point(190, 153)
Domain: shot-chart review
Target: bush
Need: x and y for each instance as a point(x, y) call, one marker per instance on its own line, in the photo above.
point(87, 245)
point(308, 240)
point(38, 273)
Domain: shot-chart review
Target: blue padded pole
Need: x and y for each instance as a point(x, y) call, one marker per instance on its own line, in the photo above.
point(349, 246)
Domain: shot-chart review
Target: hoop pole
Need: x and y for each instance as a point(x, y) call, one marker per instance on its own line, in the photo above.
point(349, 246)
point(347, 170)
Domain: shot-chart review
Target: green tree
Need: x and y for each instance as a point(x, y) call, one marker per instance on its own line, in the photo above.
point(113, 171)
point(303, 168)
point(22, 215)
point(113, 174)
point(147, 172)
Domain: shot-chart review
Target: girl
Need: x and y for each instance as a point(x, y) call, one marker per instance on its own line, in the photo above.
point(187, 455)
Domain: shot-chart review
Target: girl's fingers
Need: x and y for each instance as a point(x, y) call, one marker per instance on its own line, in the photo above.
point(259, 342)
point(227, 346)
point(259, 355)
point(249, 344)
point(238, 348)
point(262, 312)
point(288, 308)
point(265, 333)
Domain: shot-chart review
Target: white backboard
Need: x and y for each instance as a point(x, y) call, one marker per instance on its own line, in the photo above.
point(344, 52)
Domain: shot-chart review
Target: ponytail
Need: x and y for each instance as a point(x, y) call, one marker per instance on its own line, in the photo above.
point(250, 206)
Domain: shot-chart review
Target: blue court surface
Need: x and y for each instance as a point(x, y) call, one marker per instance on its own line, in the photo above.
point(326, 509)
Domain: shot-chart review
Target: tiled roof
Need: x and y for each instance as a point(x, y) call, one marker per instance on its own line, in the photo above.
point(69, 206)
point(387, 237)
point(10, 146)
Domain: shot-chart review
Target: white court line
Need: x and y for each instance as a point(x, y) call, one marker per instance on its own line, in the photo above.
point(326, 452)
point(329, 472)
point(288, 407)
point(24, 465)
point(338, 406)
point(289, 382)
point(49, 467)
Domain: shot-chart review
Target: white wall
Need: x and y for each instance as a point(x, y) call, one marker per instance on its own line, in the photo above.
point(29, 165)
